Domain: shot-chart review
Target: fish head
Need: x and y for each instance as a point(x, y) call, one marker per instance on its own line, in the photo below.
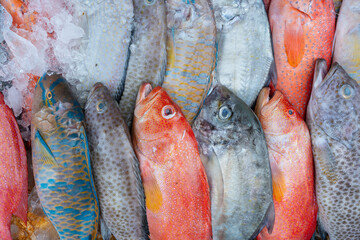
point(156, 116)
point(54, 104)
point(333, 105)
point(276, 113)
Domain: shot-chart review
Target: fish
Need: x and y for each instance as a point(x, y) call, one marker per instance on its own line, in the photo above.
point(233, 151)
point(115, 166)
point(337, 5)
point(147, 60)
point(13, 171)
point(332, 117)
point(347, 39)
point(302, 31)
point(176, 188)
point(108, 27)
point(289, 144)
point(245, 56)
point(191, 54)
point(61, 160)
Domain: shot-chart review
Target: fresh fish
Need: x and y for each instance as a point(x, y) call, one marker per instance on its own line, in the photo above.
point(244, 47)
point(302, 31)
point(190, 53)
point(333, 120)
point(175, 183)
point(288, 140)
point(61, 160)
point(109, 26)
point(116, 168)
point(147, 52)
point(347, 38)
point(234, 153)
point(13, 171)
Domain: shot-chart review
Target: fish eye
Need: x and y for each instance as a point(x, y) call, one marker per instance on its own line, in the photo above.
point(225, 113)
point(291, 112)
point(101, 107)
point(168, 112)
point(347, 91)
point(149, 2)
point(49, 95)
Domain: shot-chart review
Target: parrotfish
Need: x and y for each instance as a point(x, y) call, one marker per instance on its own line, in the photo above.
point(61, 160)
point(13, 171)
point(175, 183)
point(291, 160)
point(347, 38)
point(147, 52)
point(234, 153)
point(333, 120)
point(302, 31)
point(245, 54)
point(115, 167)
point(190, 53)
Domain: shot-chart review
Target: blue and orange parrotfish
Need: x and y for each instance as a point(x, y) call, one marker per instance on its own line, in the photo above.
point(61, 160)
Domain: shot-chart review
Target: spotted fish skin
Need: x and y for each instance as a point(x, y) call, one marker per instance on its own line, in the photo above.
point(190, 53)
point(116, 168)
point(109, 26)
point(333, 120)
point(244, 45)
point(61, 160)
point(13, 171)
point(347, 38)
point(147, 52)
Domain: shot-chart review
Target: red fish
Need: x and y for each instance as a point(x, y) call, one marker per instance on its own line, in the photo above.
point(291, 160)
point(13, 171)
point(175, 183)
point(302, 31)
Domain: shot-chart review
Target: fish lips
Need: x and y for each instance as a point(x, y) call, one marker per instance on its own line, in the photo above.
point(146, 99)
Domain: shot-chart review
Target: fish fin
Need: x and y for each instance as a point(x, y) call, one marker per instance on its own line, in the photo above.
point(294, 37)
point(278, 180)
point(105, 231)
point(44, 152)
point(268, 221)
point(153, 195)
point(326, 159)
point(320, 72)
point(170, 50)
point(320, 230)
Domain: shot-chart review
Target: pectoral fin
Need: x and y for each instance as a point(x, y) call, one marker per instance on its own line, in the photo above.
point(43, 151)
point(278, 180)
point(153, 195)
point(325, 159)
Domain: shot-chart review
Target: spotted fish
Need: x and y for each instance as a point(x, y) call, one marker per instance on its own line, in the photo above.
point(245, 53)
point(116, 168)
point(61, 160)
point(333, 120)
point(347, 38)
point(190, 53)
point(147, 52)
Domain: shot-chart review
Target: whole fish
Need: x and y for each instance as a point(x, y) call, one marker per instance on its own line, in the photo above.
point(61, 160)
point(234, 153)
point(333, 120)
point(302, 31)
point(115, 167)
point(244, 47)
point(109, 26)
point(190, 53)
point(175, 183)
point(147, 52)
point(347, 38)
point(13, 171)
point(291, 160)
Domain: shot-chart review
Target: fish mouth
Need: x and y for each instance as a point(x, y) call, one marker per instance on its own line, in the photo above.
point(92, 93)
point(266, 102)
point(146, 98)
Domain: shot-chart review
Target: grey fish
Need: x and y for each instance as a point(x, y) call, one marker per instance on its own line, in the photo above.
point(115, 167)
point(245, 52)
point(333, 120)
point(235, 156)
point(147, 52)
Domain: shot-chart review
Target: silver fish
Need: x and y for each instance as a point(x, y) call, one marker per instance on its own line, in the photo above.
point(347, 38)
point(115, 167)
point(333, 119)
point(245, 53)
point(147, 52)
point(234, 153)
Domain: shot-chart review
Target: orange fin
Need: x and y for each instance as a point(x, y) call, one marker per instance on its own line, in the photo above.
point(278, 181)
point(153, 195)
